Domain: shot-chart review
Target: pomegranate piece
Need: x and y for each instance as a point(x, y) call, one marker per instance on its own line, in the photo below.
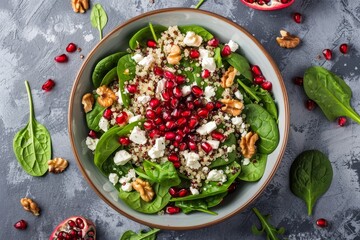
point(205, 73)
point(173, 191)
point(173, 157)
point(194, 53)
point(154, 102)
point(203, 113)
point(125, 141)
point(327, 54)
point(321, 222)
point(259, 80)
point(267, 5)
point(74, 228)
point(344, 48)
point(297, 17)
point(21, 225)
point(341, 121)
point(299, 81)
point(48, 85)
point(256, 70)
point(180, 79)
point(158, 71)
point(218, 136)
point(170, 135)
point(131, 88)
point(71, 47)
point(172, 209)
point(148, 125)
point(206, 147)
point(92, 134)
point(213, 42)
point(266, 86)
point(166, 95)
point(61, 58)
point(183, 192)
point(121, 118)
point(226, 51)
point(169, 75)
point(150, 114)
point(197, 91)
point(310, 105)
point(107, 114)
point(177, 92)
point(151, 44)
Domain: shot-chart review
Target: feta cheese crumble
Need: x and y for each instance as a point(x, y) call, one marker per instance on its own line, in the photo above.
point(209, 93)
point(135, 118)
point(192, 159)
point(104, 124)
point(206, 128)
point(122, 157)
point(137, 57)
point(233, 45)
point(236, 120)
point(209, 64)
point(91, 143)
point(158, 150)
point(147, 61)
point(192, 39)
point(214, 143)
point(138, 136)
point(113, 178)
point(216, 176)
point(143, 99)
point(194, 191)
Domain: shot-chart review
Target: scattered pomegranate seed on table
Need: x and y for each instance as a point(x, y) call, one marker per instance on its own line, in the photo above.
point(21, 225)
point(321, 222)
point(344, 48)
point(297, 17)
point(327, 54)
point(342, 121)
point(299, 81)
point(71, 48)
point(310, 105)
point(48, 85)
point(61, 58)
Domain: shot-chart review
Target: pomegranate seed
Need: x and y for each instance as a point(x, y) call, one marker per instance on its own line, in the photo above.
point(21, 225)
point(177, 92)
point(260, 2)
point(181, 133)
point(162, 127)
point(186, 113)
point(166, 115)
point(190, 105)
point(92, 134)
point(205, 73)
point(210, 106)
point(79, 234)
point(48, 85)
point(183, 192)
point(192, 123)
point(172, 210)
point(218, 136)
point(259, 80)
point(192, 137)
point(174, 102)
point(79, 221)
point(61, 58)
point(157, 121)
point(310, 105)
point(218, 105)
point(107, 114)
point(169, 75)
point(158, 71)
point(159, 110)
point(213, 42)
point(226, 51)
point(154, 102)
point(166, 95)
point(203, 113)
point(297, 17)
point(131, 88)
point(194, 53)
point(182, 146)
point(170, 135)
point(206, 147)
point(169, 84)
point(175, 144)
point(284, 1)
point(154, 133)
point(151, 44)
point(73, 233)
point(266, 86)
point(121, 118)
point(173, 191)
point(173, 157)
point(197, 91)
point(250, 1)
point(177, 164)
point(327, 54)
point(321, 222)
point(150, 114)
point(176, 113)
point(71, 48)
point(181, 122)
point(192, 146)
point(125, 141)
point(170, 124)
point(232, 188)
point(197, 102)
point(344, 48)
point(256, 70)
point(186, 129)
point(180, 79)
point(342, 121)
point(148, 125)
point(299, 81)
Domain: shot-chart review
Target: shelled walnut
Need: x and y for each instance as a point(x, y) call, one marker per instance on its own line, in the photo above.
point(174, 56)
point(287, 40)
point(227, 79)
point(144, 188)
point(88, 102)
point(80, 5)
point(247, 144)
point(106, 96)
point(31, 206)
point(233, 107)
point(57, 165)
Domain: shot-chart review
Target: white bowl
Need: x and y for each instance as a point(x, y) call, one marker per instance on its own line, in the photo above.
point(117, 40)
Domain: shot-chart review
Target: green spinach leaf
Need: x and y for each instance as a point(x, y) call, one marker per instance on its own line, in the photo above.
point(251, 92)
point(32, 144)
point(231, 140)
point(268, 102)
point(271, 231)
point(255, 169)
point(126, 71)
point(194, 205)
point(93, 117)
point(330, 92)
point(140, 37)
point(109, 77)
point(142, 235)
point(98, 18)
point(199, 4)
point(193, 73)
point(310, 177)
point(202, 32)
point(162, 173)
point(241, 64)
point(264, 125)
point(217, 57)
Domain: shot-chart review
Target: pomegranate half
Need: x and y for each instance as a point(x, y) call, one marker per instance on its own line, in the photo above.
point(267, 5)
point(74, 228)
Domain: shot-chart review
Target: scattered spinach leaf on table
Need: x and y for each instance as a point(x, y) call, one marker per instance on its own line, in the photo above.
point(199, 4)
point(32, 144)
point(271, 232)
point(142, 235)
point(98, 18)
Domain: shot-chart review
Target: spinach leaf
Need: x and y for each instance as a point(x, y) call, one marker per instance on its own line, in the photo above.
point(126, 71)
point(271, 231)
point(134, 200)
point(231, 140)
point(212, 188)
point(131, 235)
point(93, 117)
point(202, 32)
point(199, 4)
point(250, 91)
point(310, 177)
point(164, 174)
point(32, 144)
point(217, 57)
point(98, 18)
point(264, 125)
point(330, 92)
point(215, 200)
point(104, 66)
point(268, 102)
point(194, 205)
point(255, 169)
point(109, 77)
point(241, 64)
point(140, 38)
point(194, 74)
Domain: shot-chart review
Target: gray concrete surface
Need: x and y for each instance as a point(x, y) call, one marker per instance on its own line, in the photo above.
point(33, 32)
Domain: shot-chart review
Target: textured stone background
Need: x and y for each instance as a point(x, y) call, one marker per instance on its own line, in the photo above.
point(33, 32)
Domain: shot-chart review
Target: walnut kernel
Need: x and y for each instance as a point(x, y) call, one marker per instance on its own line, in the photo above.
point(106, 96)
point(174, 56)
point(233, 107)
point(80, 5)
point(88, 102)
point(247, 144)
point(144, 188)
point(287, 40)
point(57, 165)
point(31, 206)
point(227, 79)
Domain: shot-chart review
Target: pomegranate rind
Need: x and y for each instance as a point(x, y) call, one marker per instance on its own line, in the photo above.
point(88, 226)
point(274, 6)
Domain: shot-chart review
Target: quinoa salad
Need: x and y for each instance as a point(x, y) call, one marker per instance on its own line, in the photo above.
point(178, 119)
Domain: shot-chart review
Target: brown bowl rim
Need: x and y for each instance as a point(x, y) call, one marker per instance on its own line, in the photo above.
point(278, 161)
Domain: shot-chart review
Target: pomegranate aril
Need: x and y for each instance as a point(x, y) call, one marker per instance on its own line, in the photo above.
point(213, 42)
point(205, 73)
point(181, 122)
point(344, 48)
point(154, 102)
point(173, 157)
point(172, 209)
point(169, 75)
point(73, 234)
point(203, 113)
point(166, 115)
point(182, 146)
point(192, 146)
point(218, 136)
point(170, 125)
point(259, 80)
point(256, 70)
point(226, 51)
point(176, 113)
point(71, 47)
point(79, 221)
point(232, 188)
point(194, 53)
point(341, 121)
point(121, 118)
point(166, 95)
point(125, 141)
point(21, 225)
point(92, 134)
point(131, 88)
point(48, 85)
point(107, 114)
point(183, 192)
point(162, 127)
point(177, 92)
point(266, 86)
point(210, 106)
point(284, 1)
point(148, 125)
point(61, 58)
point(158, 71)
point(151, 44)
point(175, 144)
point(177, 164)
point(169, 84)
point(170, 135)
point(173, 191)
point(197, 91)
point(180, 79)
point(190, 105)
point(297, 17)
point(218, 105)
point(150, 114)
point(174, 102)
point(327, 54)
point(159, 110)
point(157, 121)
point(186, 129)
point(206, 147)
point(192, 123)
point(154, 133)
point(186, 113)
point(197, 102)
point(79, 234)
point(321, 222)
point(310, 105)
point(299, 81)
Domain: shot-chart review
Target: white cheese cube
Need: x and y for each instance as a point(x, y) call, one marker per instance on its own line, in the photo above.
point(126, 187)
point(203, 53)
point(206, 128)
point(192, 40)
point(186, 90)
point(138, 136)
point(192, 159)
point(233, 45)
point(160, 87)
point(113, 178)
point(214, 143)
point(194, 191)
point(159, 144)
point(104, 124)
point(236, 120)
point(91, 143)
point(209, 92)
point(137, 57)
point(135, 118)
point(143, 99)
point(209, 64)
point(122, 157)
point(216, 176)
point(238, 95)
point(147, 61)
point(153, 154)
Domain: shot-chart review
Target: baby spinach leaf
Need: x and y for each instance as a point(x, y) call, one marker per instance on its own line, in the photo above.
point(32, 144)
point(104, 66)
point(264, 125)
point(330, 92)
point(215, 200)
point(194, 205)
point(250, 91)
point(202, 32)
point(162, 173)
point(193, 73)
point(255, 169)
point(268, 102)
point(217, 57)
point(310, 177)
point(98, 18)
point(109, 77)
point(126, 71)
point(140, 38)
point(231, 140)
point(241, 64)
point(199, 4)
point(271, 232)
point(93, 117)
point(142, 235)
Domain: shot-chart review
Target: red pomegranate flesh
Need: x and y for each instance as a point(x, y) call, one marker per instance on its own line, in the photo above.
point(74, 228)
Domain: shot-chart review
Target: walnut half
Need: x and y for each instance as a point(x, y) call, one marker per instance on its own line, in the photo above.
point(80, 5)
point(227, 79)
point(57, 165)
point(144, 188)
point(174, 56)
point(247, 144)
point(233, 107)
point(287, 40)
point(106, 96)
point(88, 102)
point(31, 206)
